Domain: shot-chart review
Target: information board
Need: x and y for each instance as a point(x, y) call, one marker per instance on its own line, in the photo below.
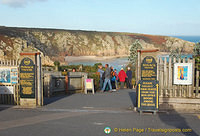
point(148, 99)
point(149, 68)
point(27, 78)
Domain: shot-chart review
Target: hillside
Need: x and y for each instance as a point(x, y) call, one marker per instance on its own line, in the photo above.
point(55, 44)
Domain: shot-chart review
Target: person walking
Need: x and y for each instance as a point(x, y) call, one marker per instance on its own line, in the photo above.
point(129, 78)
point(122, 77)
point(107, 78)
point(100, 71)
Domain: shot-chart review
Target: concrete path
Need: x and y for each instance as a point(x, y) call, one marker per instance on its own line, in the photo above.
point(89, 115)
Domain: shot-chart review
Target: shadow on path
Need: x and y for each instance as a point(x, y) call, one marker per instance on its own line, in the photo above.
point(4, 107)
point(176, 120)
point(132, 96)
point(55, 98)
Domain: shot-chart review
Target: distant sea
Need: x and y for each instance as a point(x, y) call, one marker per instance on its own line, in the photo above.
point(118, 63)
point(189, 38)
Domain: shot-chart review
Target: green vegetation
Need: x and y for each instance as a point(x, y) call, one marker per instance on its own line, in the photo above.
point(197, 55)
point(196, 50)
point(133, 52)
point(133, 57)
point(57, 65)
point(91, 70)
point(177, 53)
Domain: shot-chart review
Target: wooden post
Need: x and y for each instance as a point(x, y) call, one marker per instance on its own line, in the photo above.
point(139, 66)
point(174, 86)
point(66, 84)
point(170, 77)
point(165, 77)
point(184, 86)
point(179, 86)
point(161, 77)
point(39, 80)
point(197, 83)
point(193, 70)
point(191, 86)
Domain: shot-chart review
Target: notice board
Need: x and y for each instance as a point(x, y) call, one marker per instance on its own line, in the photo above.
point(27, 78)
point(148, 97)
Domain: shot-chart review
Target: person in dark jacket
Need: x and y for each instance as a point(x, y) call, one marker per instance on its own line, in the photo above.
point(113, 78)
point(107, 78)
point(100, 71)
point(116, 80)
point(129, 78)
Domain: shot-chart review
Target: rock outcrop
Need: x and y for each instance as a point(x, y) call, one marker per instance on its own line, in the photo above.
point(55, 44)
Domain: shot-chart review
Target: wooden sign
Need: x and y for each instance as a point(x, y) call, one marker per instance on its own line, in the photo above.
point(148, 97)
point(149, 68)
point(27, 78)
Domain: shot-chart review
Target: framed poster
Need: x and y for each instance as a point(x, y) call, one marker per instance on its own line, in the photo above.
point(8, 75)
point(5, 75)
point(183, 73)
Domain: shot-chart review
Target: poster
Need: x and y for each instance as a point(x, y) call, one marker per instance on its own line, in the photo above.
point(8, 75)
point(5, 75)
point(183, 73)
point(14, 75)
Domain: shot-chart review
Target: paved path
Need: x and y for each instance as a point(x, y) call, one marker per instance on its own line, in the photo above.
point(88, 115)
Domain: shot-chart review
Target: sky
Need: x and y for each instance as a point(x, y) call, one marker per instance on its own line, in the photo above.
point(158, 17)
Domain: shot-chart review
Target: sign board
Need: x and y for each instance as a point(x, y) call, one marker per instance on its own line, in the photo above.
point(89, 85)
point(148, 97)
point(27, 78)
point(6, 90)
point(149, 68)
point(8, 75)
point(183, 73)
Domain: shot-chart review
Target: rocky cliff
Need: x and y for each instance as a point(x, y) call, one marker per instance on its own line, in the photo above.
point(55, 44)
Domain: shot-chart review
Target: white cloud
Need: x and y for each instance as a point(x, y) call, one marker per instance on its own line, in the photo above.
point(17, 3)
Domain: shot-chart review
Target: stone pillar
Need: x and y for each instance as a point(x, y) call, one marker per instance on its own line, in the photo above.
point(31, 92)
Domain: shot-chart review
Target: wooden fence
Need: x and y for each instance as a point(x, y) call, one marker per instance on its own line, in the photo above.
point(165, 77)
point(12, 98)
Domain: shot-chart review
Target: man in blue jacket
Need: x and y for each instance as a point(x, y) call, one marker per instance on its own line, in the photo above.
point(129, 79)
